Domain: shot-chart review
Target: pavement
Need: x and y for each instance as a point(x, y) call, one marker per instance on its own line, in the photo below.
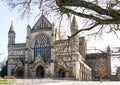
point(48, 81)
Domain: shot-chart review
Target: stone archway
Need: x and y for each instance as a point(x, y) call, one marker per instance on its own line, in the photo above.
point(20, 73)
point(61, 72)
point(40, 71)
point(70, 73)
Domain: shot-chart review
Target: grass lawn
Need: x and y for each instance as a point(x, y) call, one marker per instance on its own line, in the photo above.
point(5, 81)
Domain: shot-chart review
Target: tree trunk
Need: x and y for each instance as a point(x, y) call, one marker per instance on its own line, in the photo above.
point(100, 79)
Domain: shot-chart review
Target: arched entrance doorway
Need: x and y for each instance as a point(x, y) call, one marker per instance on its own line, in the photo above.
point(70, 73)
point(40, 71)
point(20, 73)
point(61, 72)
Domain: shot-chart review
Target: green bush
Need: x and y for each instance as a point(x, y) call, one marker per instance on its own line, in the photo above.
point(4, 71)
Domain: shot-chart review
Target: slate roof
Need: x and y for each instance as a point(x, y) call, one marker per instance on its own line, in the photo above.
point(96, 56)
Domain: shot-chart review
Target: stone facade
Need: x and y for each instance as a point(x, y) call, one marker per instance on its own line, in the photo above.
point(47, 54)
point(100, 61)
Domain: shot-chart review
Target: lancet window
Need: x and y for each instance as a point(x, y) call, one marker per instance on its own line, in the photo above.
point(43, 24)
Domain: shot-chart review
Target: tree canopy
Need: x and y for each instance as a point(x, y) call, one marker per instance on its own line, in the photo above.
point(95, 12)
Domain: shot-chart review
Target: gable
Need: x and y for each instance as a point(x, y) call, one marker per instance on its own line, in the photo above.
point(42, 24)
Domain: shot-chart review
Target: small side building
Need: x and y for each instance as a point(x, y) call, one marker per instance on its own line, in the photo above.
point(100, 61)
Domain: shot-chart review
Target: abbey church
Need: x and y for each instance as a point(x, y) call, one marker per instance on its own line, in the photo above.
point(47, 53)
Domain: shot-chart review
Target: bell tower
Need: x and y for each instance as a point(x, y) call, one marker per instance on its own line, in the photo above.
point(11, 35)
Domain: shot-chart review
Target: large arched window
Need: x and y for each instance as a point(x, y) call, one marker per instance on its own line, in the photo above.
point(42, 47)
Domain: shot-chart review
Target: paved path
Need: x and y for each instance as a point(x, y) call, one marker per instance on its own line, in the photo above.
point(61, 82)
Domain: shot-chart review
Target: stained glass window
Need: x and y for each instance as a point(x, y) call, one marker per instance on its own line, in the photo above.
point(42, 47)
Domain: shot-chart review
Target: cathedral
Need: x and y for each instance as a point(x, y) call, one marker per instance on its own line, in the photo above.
point(47, 53)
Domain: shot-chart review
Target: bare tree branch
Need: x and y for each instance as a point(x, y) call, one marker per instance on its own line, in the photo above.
point(85, 29)
point(99, 12)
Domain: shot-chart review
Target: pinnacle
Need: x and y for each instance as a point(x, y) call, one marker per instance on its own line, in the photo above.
point(74, 22)
point(11, 30)
point(28, 26)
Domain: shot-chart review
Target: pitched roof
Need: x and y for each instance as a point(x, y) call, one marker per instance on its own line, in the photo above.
point(96, 56)
point(42, 23)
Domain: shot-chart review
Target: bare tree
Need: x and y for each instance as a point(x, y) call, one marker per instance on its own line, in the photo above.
point(101, 73)
point(95, 12)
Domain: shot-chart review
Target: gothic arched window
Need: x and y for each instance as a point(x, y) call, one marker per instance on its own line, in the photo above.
point(42, 47)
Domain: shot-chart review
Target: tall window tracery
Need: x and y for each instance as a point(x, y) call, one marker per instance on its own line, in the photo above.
point(42, 47)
